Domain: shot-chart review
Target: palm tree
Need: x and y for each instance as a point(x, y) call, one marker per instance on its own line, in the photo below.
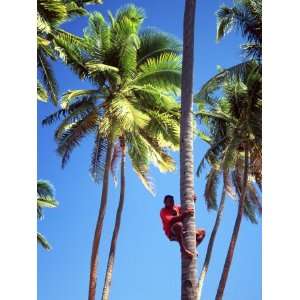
point(50, 15)
point(235, 122)
point(45, 198)
point(188, 265)
point(136, 75)
point(213, 157)
point(245, 16)
point(113, 245)
point(121, 151)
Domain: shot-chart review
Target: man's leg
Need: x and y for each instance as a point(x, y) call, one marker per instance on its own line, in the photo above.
point(177, 227)
point(200, 234)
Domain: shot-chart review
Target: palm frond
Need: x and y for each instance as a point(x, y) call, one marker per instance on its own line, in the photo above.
point(143, 174)
point(139, 154)
point(98, 35)
point(206, 156)
point(47, 77)
point(227, 183)
point(204, 137)
point(72, 55)
point(154, 98)
point(116, 156)
point(250, 210)
point(154, 43)
point(216, 82)
point(126, 40)
point(130, 13)
point(69, 38)
point(43, 242)
point(157, 155)
point(245, 16)
point(47, 202)
point(98, 158)
point(45, 189)
point(78, 106)
point(41, 92)
point(74, 116)
point(211, 189)
point(73, 10)
point(70, 95)
point(226, 19)
point(73, 135)
point(163, 124)
point(53, 11)
point(126, 115)
point(95, 67)
point(254, 198)
point(43, 26)
point(162, 72)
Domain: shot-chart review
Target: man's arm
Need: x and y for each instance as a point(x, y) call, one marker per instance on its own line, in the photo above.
point(187, 213)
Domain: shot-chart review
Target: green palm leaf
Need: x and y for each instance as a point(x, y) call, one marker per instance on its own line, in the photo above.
point(97, 165)
point(72, 136)
point(48, 77)
point(163, 72)
point(41, 92)
point(42, 241)
point(68, 96)
point(154, 43)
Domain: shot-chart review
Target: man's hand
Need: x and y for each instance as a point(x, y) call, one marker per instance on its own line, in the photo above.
point(188, 213)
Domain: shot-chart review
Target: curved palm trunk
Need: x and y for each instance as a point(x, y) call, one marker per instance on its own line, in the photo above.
point(235, 232)
point(188, 265)
point(113, 245)
point(211, 244)
point(98, 230)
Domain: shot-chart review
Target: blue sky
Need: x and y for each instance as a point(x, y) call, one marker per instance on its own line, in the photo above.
point(147, 264)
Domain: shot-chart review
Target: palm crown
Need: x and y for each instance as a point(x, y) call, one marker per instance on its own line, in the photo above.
point(233, 120)
point(245, 16)
point(136, 75)
point(50, 15)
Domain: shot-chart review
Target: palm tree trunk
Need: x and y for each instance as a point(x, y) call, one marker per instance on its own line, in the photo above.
point(188, 265)
point(235, 232)
point(211, 244)
point(113, 244)
point(98, 230)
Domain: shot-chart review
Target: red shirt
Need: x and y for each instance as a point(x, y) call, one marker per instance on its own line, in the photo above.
point(167, 215)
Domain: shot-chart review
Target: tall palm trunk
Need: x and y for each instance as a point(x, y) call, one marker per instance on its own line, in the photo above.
point(188, 265)
point(235, 232)
point(211, 244)
point(98, 230)
point(113, 244)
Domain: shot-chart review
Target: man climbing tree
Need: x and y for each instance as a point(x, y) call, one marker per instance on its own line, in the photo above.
point(172, 217)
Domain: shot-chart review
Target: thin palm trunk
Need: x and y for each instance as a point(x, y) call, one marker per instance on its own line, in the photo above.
point(211, 244)
point(98, 230)
point(235, 232)
point(113, 244)
point(188, 265)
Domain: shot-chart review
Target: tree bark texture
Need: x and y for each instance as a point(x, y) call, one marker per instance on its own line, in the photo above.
point(113, 245)
point(235, 232)
point(211, 244)
point(99, 226)
point(188, 265)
